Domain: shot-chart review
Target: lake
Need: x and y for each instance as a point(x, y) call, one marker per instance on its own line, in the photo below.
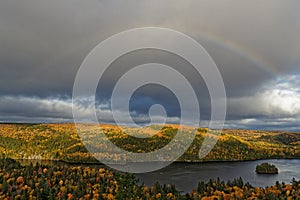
point(185, 176)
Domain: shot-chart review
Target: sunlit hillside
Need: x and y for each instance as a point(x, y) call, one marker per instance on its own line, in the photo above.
point(61, 142)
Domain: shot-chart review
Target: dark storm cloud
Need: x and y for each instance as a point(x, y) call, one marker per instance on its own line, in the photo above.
point(42, 44)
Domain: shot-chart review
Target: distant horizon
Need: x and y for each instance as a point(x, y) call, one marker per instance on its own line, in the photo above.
point(145, 125)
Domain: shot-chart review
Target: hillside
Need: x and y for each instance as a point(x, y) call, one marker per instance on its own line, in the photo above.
point(61, 142)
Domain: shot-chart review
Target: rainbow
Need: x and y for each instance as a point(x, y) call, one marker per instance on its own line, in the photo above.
point(240, 50)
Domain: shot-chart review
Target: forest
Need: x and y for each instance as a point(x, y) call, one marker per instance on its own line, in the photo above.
point(80, 182)
point(61, 142)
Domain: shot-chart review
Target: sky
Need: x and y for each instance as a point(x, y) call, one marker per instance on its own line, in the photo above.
point(255, 45)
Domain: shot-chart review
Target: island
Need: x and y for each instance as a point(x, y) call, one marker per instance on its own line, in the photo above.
point(266, 168)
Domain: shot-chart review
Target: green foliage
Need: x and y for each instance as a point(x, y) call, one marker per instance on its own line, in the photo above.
point(266, 168)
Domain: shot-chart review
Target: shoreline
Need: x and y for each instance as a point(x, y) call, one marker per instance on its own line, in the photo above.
point(179, 162)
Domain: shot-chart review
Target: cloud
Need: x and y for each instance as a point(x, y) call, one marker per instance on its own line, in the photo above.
point(35, 107)
point(254, 44)
point(283, 124)
point(43, 45)
point(280, 98)
point(277, 105)
point(37, 110)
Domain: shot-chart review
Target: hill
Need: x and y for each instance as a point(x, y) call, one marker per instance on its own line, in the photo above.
point(61, 142)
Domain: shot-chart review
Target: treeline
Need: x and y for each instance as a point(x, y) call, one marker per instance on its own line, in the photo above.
point(78, 182)
point(74, 182)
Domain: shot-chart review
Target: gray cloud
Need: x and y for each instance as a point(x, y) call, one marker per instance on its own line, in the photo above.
point(255, 45)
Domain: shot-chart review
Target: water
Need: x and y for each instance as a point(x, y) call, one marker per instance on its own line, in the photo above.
point(185, 176)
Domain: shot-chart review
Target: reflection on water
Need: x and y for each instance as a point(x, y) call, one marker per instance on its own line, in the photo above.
point(185, 176)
